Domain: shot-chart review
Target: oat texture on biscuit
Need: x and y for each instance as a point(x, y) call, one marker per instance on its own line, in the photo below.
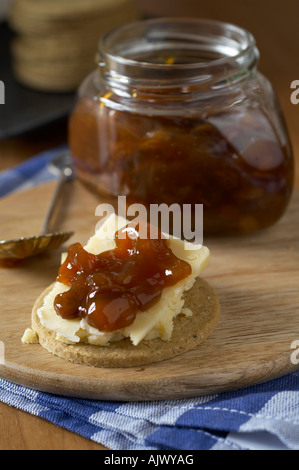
point(188, 333)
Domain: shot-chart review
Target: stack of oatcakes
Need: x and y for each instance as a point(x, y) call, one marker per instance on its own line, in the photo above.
point(56, 40)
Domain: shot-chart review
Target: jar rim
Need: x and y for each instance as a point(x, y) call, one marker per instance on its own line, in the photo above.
point(228, 56)
point(108, 43)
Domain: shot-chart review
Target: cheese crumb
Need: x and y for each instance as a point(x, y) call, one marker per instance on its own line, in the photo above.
point(30, 337)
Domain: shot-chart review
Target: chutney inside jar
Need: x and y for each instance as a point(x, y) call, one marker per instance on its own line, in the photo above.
point(177, 112)
point(232, 162)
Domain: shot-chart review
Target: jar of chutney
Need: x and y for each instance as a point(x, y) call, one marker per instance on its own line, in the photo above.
point(177, 112)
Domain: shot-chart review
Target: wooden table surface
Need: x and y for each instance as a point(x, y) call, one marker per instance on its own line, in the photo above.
point(276, 30)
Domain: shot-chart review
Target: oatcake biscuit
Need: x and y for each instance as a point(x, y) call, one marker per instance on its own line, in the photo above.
point(188, 332)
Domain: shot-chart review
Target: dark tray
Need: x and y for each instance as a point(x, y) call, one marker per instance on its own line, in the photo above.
point(25, 109)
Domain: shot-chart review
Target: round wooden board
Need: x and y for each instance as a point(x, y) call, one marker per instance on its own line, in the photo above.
point(256, 278)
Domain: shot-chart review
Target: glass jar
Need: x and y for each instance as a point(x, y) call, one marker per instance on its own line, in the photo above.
point(177, 112)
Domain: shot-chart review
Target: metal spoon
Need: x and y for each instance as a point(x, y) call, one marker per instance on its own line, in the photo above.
point(31, 246)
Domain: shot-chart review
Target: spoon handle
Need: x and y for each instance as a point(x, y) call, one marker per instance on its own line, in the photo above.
point(46, 223)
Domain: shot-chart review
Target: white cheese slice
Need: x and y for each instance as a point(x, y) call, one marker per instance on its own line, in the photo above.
point(156, 322)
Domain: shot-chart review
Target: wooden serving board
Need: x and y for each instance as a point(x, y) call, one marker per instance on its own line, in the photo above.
point(256, 278)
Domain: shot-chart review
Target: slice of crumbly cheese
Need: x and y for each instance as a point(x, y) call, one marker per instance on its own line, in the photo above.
point(30, 337)
point(156, 322)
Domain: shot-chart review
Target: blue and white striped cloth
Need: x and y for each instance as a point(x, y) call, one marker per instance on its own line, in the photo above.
point(32, 172)
point(260, 417)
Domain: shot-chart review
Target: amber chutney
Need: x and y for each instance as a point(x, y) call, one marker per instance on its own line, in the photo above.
point(177, 112)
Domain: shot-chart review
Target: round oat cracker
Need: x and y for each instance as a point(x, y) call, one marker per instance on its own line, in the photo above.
point(188, 333)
